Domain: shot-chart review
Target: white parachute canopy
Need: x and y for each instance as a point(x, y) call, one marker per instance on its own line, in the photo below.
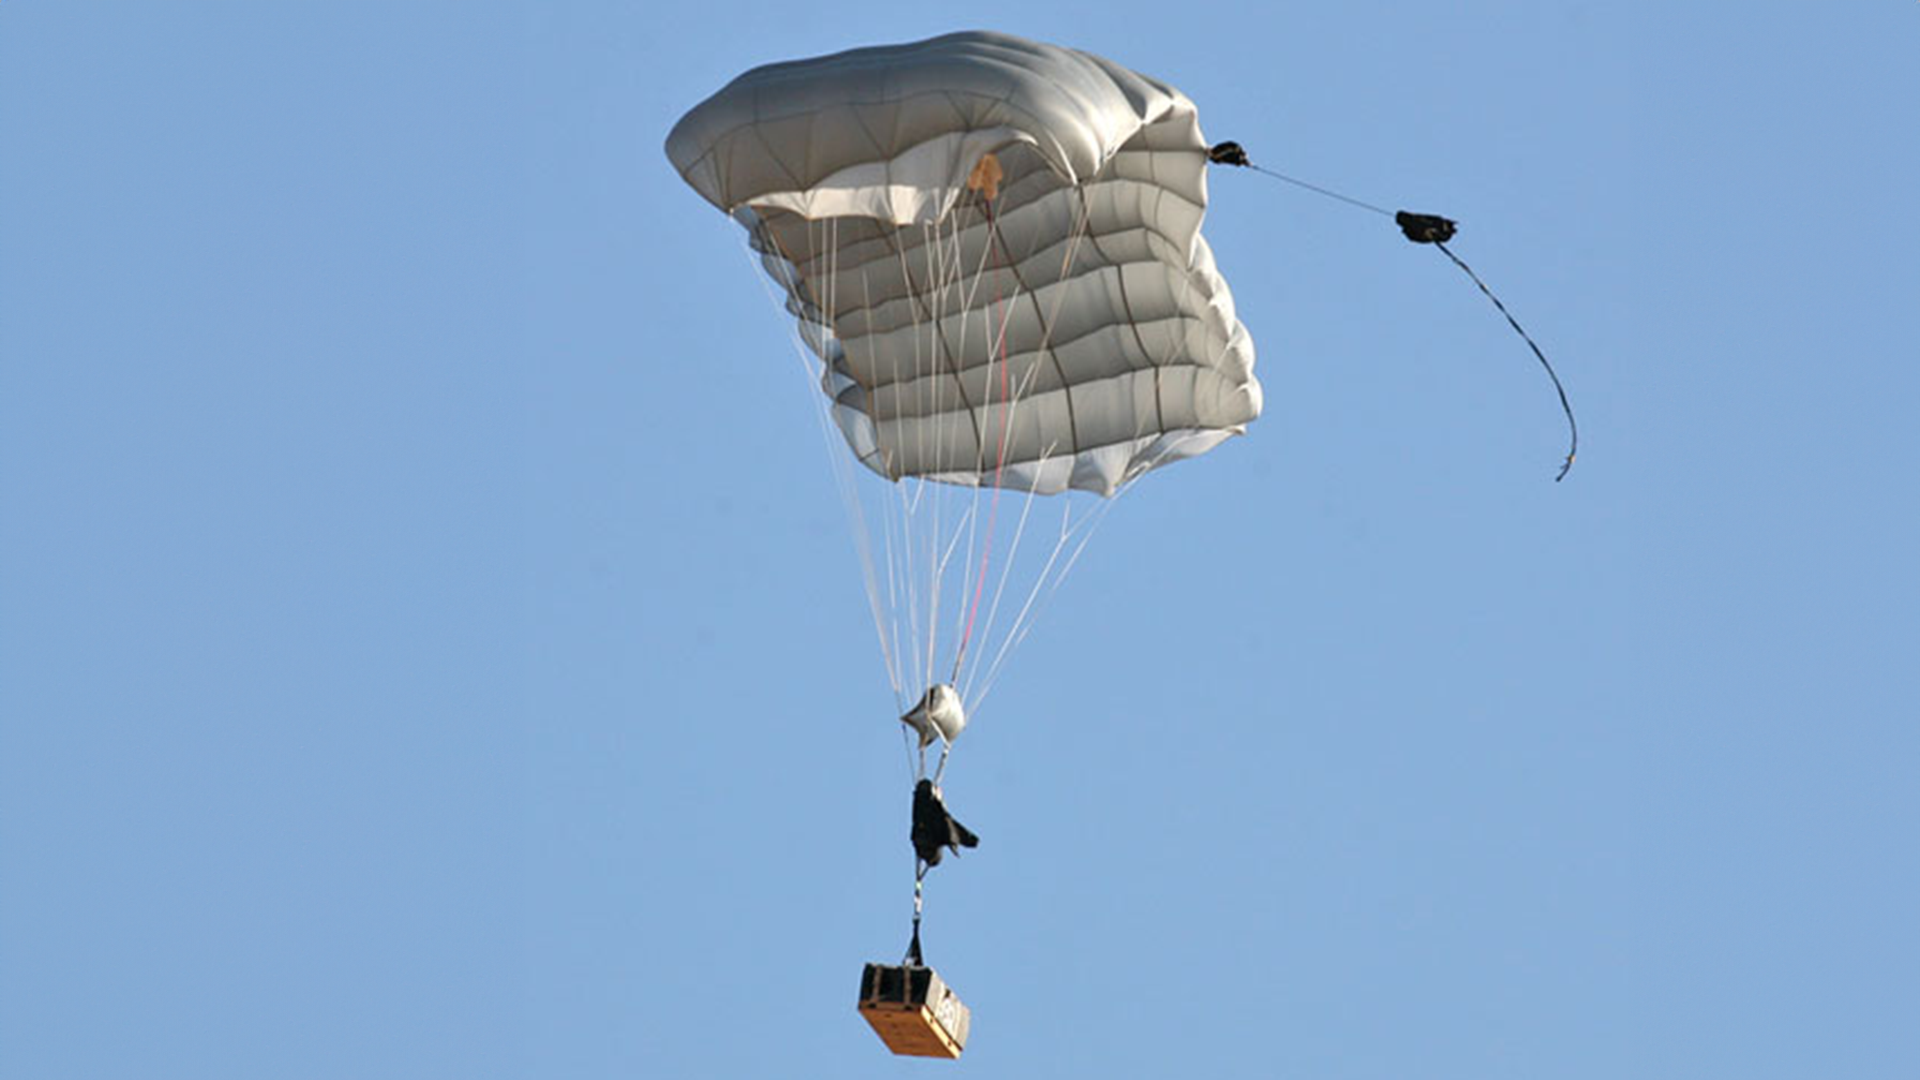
point(992, 249)
point(1121, 348)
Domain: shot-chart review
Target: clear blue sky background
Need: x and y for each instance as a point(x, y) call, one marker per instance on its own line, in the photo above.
point(430, 645)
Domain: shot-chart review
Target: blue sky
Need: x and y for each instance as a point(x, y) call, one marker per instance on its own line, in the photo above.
point(430, 643)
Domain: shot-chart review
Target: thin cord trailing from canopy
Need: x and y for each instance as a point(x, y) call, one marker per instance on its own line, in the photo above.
point(1573, 429)
point(1318, 190)
point(1423, 229)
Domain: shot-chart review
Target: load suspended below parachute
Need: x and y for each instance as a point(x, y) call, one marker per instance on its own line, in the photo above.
point(993, 246)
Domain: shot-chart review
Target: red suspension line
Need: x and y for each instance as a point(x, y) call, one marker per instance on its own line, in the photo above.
point(1000, 458)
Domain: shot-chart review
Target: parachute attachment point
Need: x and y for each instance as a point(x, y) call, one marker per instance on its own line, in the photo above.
point(938, 716)
point(913, 1011)
point(1425, 228)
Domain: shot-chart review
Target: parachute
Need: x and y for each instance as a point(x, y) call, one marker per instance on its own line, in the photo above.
point(992, 251)
point(1112, 322)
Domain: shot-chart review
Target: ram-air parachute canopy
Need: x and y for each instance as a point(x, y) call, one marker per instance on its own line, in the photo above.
point(993, 246)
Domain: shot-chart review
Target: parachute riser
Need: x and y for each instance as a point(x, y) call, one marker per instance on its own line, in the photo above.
point(914, 955)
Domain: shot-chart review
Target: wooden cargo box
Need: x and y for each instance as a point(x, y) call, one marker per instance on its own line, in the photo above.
point(913, 1011)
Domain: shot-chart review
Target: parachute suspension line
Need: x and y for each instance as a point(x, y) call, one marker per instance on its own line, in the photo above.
point(889, 626)
point(1036, 599)
point(905, 513)
point(964, 279)
point(964, 623)
point(1016, 632)
point(916, 559)
point(1044, 589)
point(913, 522)
point(863, 542)
point(889, 648)
point(1053, 571)
point(1009, 562)
point(908, 493)
point(1048, 319)
point(896, 531)
point(810, 343)
point(1084, 530)
point(1046, 585)
point(917, 768)
point(948, 275)
point(939, 767)
point(971, 291)
point(953, 279)
point(1000, 588)
point(997, 348)
point(936, 291)
point(1424, 229)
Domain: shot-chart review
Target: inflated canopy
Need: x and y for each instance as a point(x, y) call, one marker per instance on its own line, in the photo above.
point(993, 245)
